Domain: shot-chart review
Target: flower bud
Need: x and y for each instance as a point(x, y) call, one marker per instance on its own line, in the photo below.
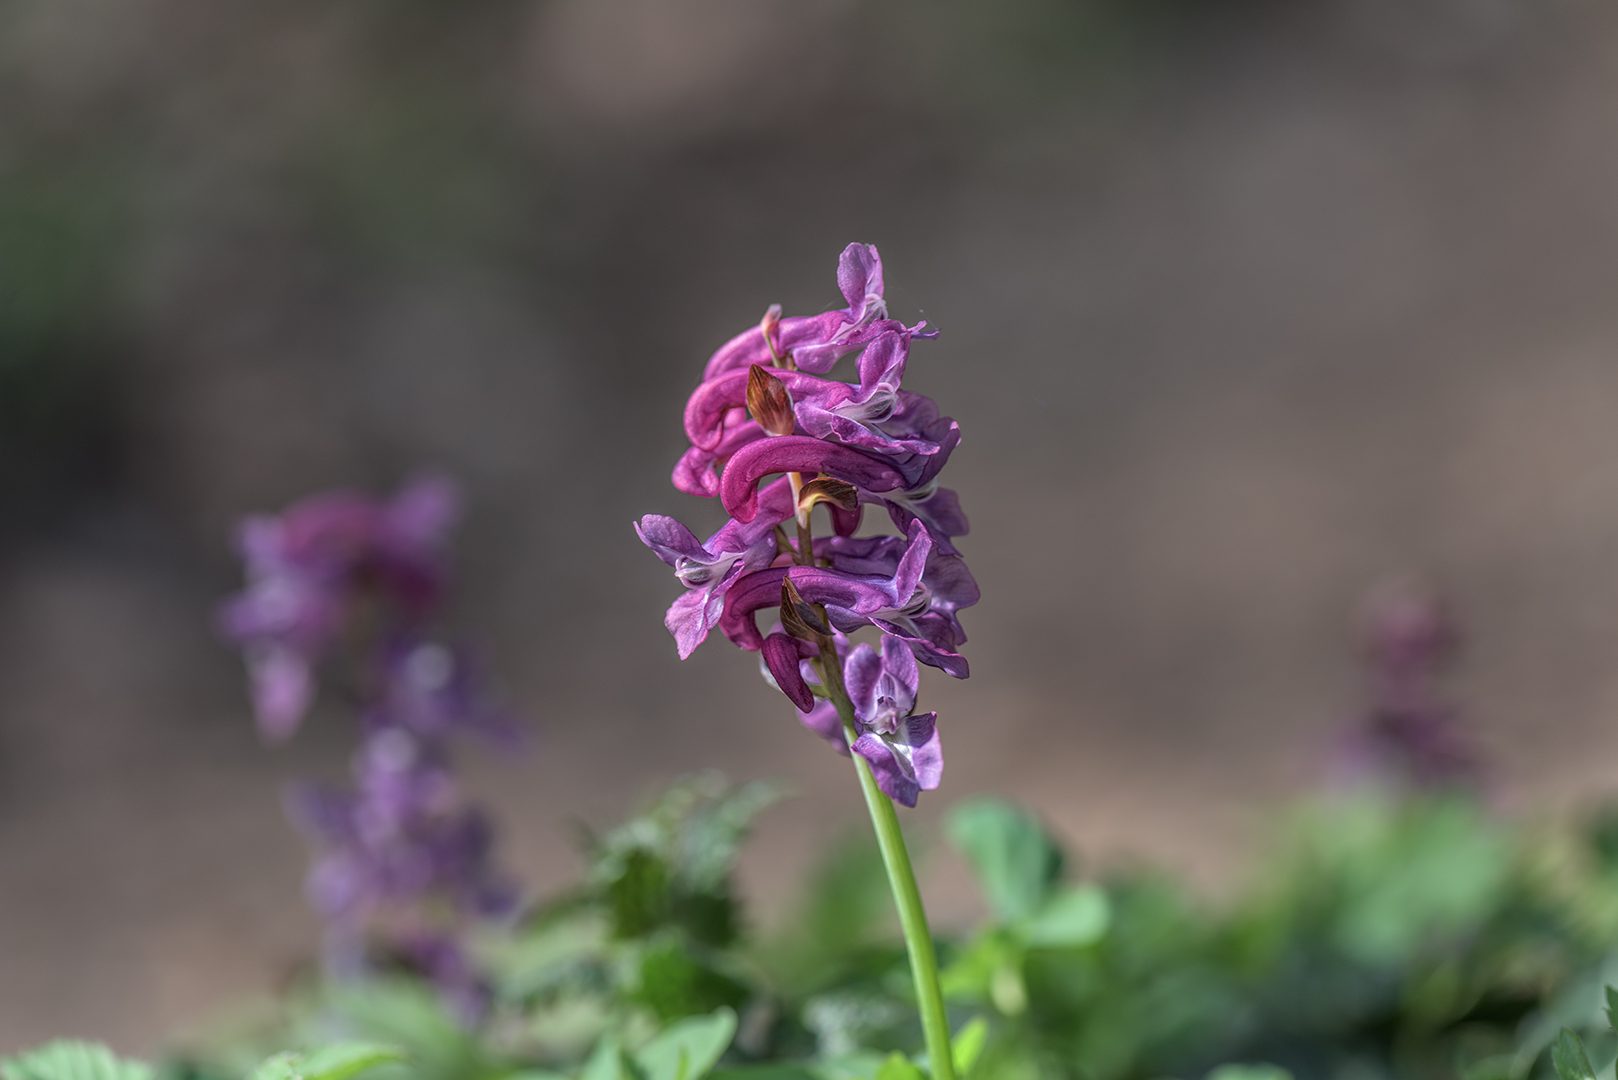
point(799, 617)
point(769, 402)
point(839, 493)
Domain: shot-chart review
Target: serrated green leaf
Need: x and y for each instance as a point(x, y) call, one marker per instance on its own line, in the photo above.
point(1071, 919)
point(72, 1059)
point(1569, 1058)
point(899, 1067)
point(688, 1049)
point(1016, 862)
point(968, 1044)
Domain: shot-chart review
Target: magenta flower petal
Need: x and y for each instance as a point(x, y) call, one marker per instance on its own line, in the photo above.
point(799, 453)
point(697, 471)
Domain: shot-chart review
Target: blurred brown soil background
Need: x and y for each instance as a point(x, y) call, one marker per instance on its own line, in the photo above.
point(1244, 306)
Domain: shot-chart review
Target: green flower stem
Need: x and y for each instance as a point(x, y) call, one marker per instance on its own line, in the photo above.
point(902, 878)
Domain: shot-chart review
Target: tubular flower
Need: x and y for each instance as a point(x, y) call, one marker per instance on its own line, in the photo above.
point(766, 407)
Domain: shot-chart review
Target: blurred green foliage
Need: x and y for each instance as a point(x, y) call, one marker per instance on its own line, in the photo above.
point(1408, 936)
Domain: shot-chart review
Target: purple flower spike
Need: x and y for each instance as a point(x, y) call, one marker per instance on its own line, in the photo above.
point(402, 864)
point(822, 437)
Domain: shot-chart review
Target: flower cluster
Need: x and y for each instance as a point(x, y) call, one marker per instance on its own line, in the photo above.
point(767, 408)
point(403, 862)
point(1408, 729)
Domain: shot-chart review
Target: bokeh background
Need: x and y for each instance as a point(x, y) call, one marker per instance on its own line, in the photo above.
point(1245, 305)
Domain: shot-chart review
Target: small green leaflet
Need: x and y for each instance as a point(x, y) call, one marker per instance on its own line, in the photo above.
point(899, 1067)
point(1249, 1072)
point(337, 1062)
point(968, 1044)
point(1569, 1058)
point(1071, 919)
point(70, 1059)
point(689, 1048)
point(1016, 862)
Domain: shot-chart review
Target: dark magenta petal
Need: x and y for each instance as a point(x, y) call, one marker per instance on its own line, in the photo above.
point(697, 471)
point(799, 453)
point(781, 656)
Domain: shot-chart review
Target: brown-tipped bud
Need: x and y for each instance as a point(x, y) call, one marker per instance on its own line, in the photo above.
point(768, 401)
point(826, 489)
point(799, 617)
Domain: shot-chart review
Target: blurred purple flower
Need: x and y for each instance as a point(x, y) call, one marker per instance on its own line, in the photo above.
point(1408, 729)
point(402, 863)
point(309, 565)
point(435, 691)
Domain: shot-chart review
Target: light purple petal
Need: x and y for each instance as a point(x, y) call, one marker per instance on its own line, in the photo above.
point(283, 686)
point(669, 539)
point(422, 513)
point(908, 762)
point(861, 671)
point(687, 619)
point(824, 721)
point(859, 276)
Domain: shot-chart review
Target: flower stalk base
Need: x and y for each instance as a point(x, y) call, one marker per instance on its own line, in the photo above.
point(906, 895)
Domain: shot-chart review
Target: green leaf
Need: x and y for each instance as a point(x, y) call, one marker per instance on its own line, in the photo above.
point(968, 1044)
point(899, 1067)
point(676, 984)
point(1249, 1072)
point(344, 1060)
point(1073, 918)
point(689, 1049)
point(766, 1072)
point(1015, 860)
point(1612, 1007)
point(339, 1061)
point(70, 1059)
point(1569, 1058)
point(280, 1067)
point(606, 1062)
